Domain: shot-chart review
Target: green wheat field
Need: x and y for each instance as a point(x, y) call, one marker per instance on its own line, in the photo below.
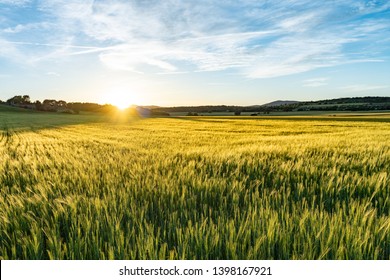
point(95, 187)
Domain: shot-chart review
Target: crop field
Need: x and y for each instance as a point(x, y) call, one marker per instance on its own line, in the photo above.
point(94, 187)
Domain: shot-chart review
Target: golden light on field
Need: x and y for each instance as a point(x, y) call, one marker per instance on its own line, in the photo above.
point(121, 98)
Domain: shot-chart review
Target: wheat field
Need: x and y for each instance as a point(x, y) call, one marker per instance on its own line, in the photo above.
point(88, 187)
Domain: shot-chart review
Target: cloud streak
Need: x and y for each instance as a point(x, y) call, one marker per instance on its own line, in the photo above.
point(14, 2)
point(361, 88)
point(316, 82)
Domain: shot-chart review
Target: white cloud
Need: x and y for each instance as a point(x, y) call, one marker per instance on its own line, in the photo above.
point(315, 82)
point(8, 50)
point(292, 55)
point(52, 73)
point(371, 6)
point(359, 88)
point(29, 27)
point(302, 22)
point(15, 2)
point(15, 29)
point(263, 40)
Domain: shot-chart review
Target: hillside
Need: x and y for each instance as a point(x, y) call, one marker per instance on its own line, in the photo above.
point(280, 103)
point(346, 104)
point(339, 104)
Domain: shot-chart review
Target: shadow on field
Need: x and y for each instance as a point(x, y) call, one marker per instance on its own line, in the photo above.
point(32, 121)
point(341, 118)
point(203, 119)
point(19, 121)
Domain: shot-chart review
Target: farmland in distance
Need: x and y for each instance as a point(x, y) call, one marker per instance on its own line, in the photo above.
point(93, 187)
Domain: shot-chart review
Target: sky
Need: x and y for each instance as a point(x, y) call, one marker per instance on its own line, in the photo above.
point(173, 52)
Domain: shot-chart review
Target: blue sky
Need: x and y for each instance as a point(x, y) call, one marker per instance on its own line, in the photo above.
point(194, 52)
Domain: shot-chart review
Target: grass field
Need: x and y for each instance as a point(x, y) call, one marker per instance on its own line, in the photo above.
point(88, 187)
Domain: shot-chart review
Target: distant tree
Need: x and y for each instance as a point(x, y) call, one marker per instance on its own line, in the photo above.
point(26, 99)
point(49, 102)
point(237, 113)
point(287, 108)
point(15, 100)
point(159, 114)
point(61, 103)
point(49, 105)
point(107, 108)
point(38, 105)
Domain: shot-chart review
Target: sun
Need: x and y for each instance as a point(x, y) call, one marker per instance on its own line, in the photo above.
point(122, 99)
point(121, 104)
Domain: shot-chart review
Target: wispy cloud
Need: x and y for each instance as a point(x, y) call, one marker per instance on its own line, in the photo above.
point(28, 27)
point(263, 40)
point(315, 82)
point(359, 88)
point(7, 49)
point(15, 2)
point(53, 74)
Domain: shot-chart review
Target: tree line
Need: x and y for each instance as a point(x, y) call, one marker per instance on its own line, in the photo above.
point(341, 104)
point(368, 103)
point(52, 105)
point(61, 106)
